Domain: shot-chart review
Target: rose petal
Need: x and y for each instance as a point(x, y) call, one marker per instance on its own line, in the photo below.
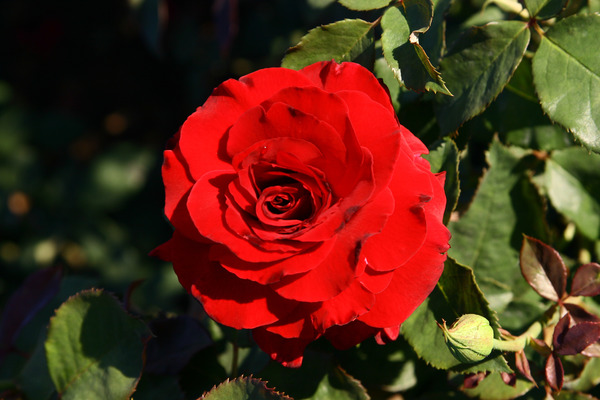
point(334, 77)
point(413, 281)
point(266, 273)
point(343, 308)
point(283, 121)
point(375, 281)
point(349, 335)
point(229, 300)
point(406, 229)
point(227, 103)
point(177, 186)
point(216, 219)
point(338, 270)
point(286, 351)
point(376, 129)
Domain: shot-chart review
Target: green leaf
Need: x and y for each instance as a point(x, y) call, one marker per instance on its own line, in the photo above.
point(364, 5)
point(566, 72)
point(544, 9)
point(488, 236)
point(572, 182)
point(403, 53)
point(477, 68)
point(94, 348)
point(494, 388)
point(244, 388)
point(444, 157)
point(434, 40)
point(338, 385)
point(456, 294)
point(518, 99)
point(346, 40)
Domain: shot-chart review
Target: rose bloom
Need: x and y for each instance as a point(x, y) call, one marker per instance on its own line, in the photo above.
point(301, 208)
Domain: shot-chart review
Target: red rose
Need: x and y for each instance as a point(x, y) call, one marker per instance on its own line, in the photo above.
point(302, 208)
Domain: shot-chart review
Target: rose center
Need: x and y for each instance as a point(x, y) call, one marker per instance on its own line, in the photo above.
point(291, 202)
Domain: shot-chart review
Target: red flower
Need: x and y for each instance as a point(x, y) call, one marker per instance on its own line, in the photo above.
point(302, 208)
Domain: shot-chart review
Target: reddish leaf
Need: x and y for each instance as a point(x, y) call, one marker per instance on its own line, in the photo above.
point(37, 290)
point(543, 269)
point(578, 337)
point(174, 343)
point(472, 380)
point(522, 365)
point(554, 372)
point(580, 314)
point(593, 350)
point(586, 281)
point(509, 379)
point(560, 330)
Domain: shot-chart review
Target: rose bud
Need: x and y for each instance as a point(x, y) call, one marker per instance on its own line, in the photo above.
point(470, 339)
point(302, 208)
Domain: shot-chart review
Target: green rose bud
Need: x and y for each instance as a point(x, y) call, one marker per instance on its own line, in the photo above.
point(470, 339)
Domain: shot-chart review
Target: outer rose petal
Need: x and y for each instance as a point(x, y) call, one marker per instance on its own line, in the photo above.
point(414, 281)
point(177, 186)
point(228, 101)
point(343, 337)
point(334, 77)
point(229, 300)
point(405, 231)
point(288, 352)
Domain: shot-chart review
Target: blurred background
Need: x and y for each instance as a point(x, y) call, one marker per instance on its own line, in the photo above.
point(89, 94)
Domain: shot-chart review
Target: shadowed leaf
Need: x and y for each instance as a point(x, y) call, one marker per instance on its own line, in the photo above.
point(586, 281)
point(94, 348)
point(174, 343)
point(543, 268)
point(579, 314)
point(544, 9)
point(37, 290)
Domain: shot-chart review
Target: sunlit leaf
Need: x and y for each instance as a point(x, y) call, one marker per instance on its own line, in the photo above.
point(477, 68)
point(244, 388)
point(364, 5)
point(572, 182)
point(346, 40)
point(543, 268)
point(400, 41)
point(94, 348)
point(566, 71)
